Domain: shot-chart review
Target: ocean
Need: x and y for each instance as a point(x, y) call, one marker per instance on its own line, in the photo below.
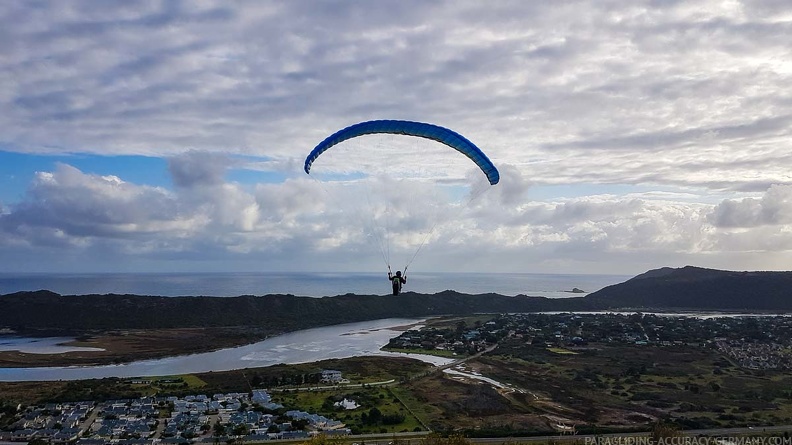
point(305, 284)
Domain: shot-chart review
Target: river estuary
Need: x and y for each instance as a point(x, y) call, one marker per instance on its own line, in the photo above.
point(310, 345)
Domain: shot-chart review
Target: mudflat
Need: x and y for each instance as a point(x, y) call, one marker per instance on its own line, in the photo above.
point(124, 346)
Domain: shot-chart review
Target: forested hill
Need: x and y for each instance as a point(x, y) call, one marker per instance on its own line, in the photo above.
point(689, 288)
point(702, 289)
point(27, 311)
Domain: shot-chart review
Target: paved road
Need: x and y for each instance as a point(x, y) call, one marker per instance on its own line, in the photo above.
point(339, 386)
point(89, 420)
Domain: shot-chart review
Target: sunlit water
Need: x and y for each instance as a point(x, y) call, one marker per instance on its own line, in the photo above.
point(49, 345)
point(305, 284)
point(310, 345)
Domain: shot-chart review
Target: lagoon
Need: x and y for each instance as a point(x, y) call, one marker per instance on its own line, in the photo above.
point(48, 345)
point(310, 345)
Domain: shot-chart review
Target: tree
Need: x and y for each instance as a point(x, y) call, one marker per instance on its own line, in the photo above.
point(241, 430)
point(299, 424)
point(374, 416)
point(218, 429)
point(662, 431)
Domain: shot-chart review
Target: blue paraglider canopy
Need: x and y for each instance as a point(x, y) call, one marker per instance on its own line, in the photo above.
point(417, 129)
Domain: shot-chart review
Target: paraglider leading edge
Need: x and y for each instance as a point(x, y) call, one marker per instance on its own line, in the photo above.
point(409, 128)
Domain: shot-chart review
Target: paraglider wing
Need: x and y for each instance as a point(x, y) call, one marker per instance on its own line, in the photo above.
point(418, 129)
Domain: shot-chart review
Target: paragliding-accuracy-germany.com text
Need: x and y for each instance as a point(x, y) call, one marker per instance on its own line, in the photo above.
point(687, 440)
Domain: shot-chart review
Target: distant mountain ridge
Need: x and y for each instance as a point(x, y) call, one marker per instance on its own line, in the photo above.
point(655, 273)
point(688, 288)
point(698, 288)
point(44, 310)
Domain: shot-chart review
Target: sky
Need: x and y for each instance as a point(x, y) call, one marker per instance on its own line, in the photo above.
point(147, 136)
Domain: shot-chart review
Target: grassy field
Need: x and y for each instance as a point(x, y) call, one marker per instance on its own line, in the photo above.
point(561, 351)
point(435, 352)
point(420, 411)
point(164, 384)
point(392, 415)
point(452, 321)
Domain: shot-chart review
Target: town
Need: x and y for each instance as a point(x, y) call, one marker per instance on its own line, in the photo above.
point(189, 419)
point(753, 342)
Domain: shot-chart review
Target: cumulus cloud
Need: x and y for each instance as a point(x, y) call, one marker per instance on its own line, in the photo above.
point(773, 208)
point(660, 98)
point(68, 204)
point(511, 189)
point(194, 169)
point(362, 222)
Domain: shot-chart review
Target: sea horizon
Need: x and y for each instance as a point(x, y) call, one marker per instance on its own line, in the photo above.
point(310, 284)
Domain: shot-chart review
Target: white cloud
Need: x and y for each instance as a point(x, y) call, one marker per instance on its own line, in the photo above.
point(68, 205)
point(303, 221)
point(686, 101)
point(773, 208)
point(193, 169)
